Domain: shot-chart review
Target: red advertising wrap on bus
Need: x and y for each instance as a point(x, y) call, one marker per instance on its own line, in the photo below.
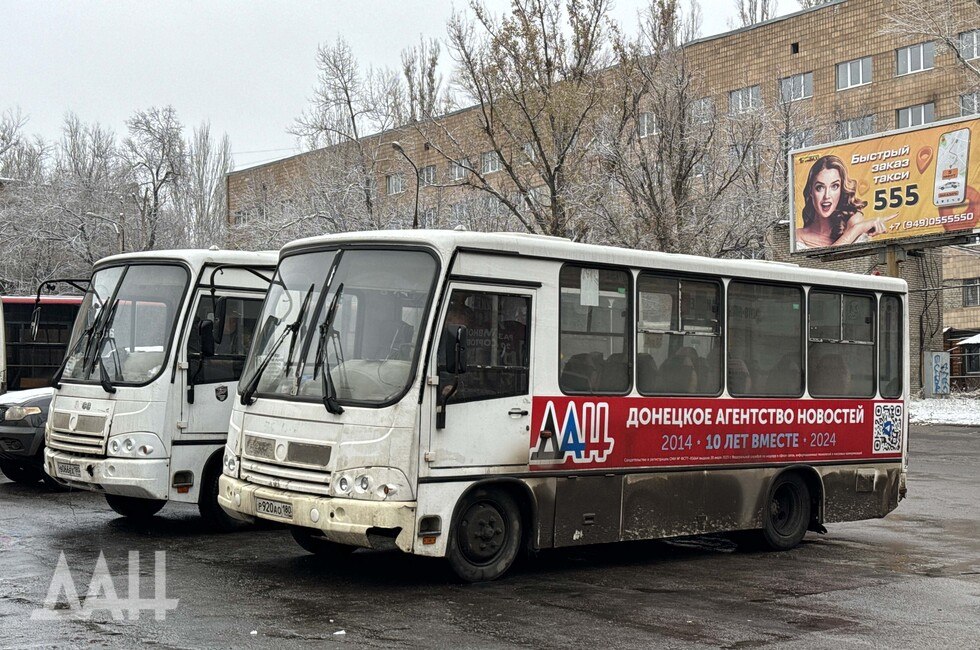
point(623, 432)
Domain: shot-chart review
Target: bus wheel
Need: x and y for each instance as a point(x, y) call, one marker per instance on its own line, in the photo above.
point(207, 503)
point(23, 473)
point(313, 542)
point(134, 507)
point(787, 513)
point(485, 538)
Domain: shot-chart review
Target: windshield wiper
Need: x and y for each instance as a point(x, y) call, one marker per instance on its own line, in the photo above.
point(320, 363)
point(103, 336)
point(292, 328)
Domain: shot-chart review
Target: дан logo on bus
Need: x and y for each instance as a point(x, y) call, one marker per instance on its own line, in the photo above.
point(583, 436)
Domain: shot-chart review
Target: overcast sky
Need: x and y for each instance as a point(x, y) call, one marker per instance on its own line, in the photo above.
point(246, 66)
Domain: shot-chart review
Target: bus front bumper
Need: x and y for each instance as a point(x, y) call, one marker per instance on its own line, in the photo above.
point(144, 478)
point(370, 524)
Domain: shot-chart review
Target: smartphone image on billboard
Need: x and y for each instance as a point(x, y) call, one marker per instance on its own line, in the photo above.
point(951, 166)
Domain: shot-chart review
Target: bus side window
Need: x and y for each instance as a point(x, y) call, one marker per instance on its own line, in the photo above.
point(498, 345)
point(229, 355)
point(678, 336)
point(841, 345)
point(765, 340)
point(890, 348)
point(593, 346)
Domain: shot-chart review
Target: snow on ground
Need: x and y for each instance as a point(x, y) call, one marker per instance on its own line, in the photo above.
point(956, 409)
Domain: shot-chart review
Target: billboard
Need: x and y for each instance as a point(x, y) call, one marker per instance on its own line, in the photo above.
point(900, 185)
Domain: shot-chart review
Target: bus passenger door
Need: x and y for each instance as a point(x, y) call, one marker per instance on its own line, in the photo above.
point(487, 407)
point(211, 382)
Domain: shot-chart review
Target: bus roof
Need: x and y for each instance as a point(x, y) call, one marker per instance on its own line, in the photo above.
point(561, 249)
point(196, 257)
point(45, 300)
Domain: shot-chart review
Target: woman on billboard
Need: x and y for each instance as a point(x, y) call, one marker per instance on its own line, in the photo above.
point(831, 210)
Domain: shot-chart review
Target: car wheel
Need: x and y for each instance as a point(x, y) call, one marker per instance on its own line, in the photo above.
point(207, 503)
point(23, 473)
point(485, 537)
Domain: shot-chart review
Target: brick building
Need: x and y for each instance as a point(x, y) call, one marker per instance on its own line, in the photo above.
point(831, 67)
point(961, 314)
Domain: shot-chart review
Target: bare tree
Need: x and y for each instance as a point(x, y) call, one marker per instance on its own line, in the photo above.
point(11, 131)
point(155, 153)
point(201, 191)
point(940, 21)
point(535, 77)
point(420, 69)
point(751, 12)
point(679, 166)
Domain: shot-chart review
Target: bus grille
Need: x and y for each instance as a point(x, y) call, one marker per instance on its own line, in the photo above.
point(286, 478)
point(78, 433)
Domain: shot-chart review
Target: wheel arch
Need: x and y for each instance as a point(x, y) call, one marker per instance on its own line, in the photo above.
point(522, 495)
point(815, 486)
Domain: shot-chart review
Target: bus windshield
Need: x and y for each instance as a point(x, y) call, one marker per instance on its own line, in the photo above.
point(125, 323)
point(351, 317)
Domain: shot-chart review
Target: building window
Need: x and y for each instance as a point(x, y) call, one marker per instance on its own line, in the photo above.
point(427, 218)
point(916, 115)
point(395, 183)
point(646, 125)
point(458, 169)
point(798, 139)
point(370, 186)
point(797, 87)
point(971, 359)
point(890, 347)
point(527, 149)
point(970, 104)
point(427, 175)
point(970, 44)
point(703, 110)
point(854, 73)
point(915, 58)
point(855, 128)
point(744, 100)
point(744, 154)
point(971, 292)
point(490, 162)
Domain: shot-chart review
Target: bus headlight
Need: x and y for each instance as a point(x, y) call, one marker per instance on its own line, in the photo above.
point(373, 483)
point(135, 445)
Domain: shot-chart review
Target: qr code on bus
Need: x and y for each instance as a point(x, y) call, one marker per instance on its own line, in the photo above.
point(888, 428)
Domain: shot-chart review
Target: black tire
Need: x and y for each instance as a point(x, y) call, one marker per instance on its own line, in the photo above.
point(313, 542)
point(485, 537)
point(23, 473)
point(133, 507)
point(207, 503)
point(786, 514)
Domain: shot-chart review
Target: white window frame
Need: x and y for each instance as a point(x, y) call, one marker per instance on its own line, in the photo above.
point(796, 87)
point(846, 131)
point(970, 104)
point(528, 150)
point(646, 124)
point(970, 44)
point(395, 184)
point(427, 175)
point(702, 110)
point(458, 169)
point(971, 292)
point(916, 115)
point(799, 139)
point(490, 162)
point(912, 54)
point(855, 68)
point(745, 100)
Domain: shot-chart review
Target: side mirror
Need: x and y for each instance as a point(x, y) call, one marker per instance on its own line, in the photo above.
point(220, 309)
point(456, 349)
point(206, 331)
point(35, 320)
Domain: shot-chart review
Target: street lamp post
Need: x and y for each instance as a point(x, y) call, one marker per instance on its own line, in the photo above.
point(418, 180)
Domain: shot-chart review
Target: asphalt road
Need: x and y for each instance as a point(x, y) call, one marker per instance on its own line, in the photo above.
point(909, 580)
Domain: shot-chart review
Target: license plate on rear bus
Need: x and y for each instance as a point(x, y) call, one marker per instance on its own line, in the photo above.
point(274, 508)
point(69, 470)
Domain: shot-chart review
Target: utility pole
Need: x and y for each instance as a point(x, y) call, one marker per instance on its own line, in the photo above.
point(418, 180)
